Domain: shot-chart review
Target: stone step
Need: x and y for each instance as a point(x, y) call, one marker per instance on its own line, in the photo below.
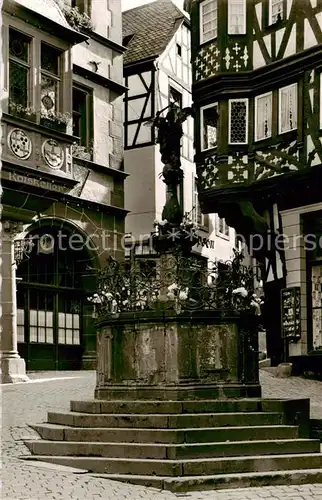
point(200, 406)
point(166, 421)
point(166, 436)
point(166, 452)
point(191, 467)
point(221, 481)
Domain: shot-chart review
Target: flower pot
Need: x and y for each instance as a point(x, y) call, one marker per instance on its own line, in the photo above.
point(24, 116)
point(54, 125)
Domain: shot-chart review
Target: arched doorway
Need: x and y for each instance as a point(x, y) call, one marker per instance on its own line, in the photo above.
point(52, 297)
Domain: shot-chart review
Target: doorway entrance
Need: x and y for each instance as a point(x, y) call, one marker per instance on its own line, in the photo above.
point(50, 301)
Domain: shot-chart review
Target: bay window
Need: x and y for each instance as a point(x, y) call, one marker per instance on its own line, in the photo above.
point(263, 116)
point(238, 121)
point(288, 108)
point(19, 68)
point(236, 17)
point(208, 20)
point(209, 122)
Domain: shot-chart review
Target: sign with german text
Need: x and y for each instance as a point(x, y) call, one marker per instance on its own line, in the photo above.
point(291, 313)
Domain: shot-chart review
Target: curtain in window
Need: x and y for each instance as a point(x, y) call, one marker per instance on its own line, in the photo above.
point(264, 117)
point(236, 13)
point(209, 17)
point(277, 10)
point(288, 108)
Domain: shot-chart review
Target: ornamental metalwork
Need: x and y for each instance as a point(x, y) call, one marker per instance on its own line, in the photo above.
point(178, 283)
point(20, 143)
point(53, 153)
point(23, 249)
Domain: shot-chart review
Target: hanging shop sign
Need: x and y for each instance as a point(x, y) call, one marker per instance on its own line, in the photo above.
point(291, 313)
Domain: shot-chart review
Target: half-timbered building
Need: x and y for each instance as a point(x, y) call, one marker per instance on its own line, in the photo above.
point(257, 88)
point(62, 178)
point(157, 71)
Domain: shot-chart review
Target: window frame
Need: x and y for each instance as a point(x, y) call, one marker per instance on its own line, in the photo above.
point(212, 105)
point(280, 132)
point(218, 232)
point(229, 29)
point(201, 34)
point(270, 13)
point(256, 117)
point(241, 99)
point(26, 64)
point(57, 78)
point(196, 209)
point(89, 112)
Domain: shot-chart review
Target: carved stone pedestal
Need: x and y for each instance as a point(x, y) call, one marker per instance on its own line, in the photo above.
point(166, 356)
point(13, 367)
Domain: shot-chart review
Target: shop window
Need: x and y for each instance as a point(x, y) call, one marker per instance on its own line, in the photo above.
point(50, 79)
point(263, 116)
point(277, 11)
point(316, 277)
point(238, 121)
point(82, 115)
point(288, 108)
point(236, 17)
point(19, 68)
point(208, 20)
point(209, 121)
point(20, 325)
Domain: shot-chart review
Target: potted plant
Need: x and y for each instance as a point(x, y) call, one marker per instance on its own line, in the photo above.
point(55, 120)
point(20, 111)
point(78, 20)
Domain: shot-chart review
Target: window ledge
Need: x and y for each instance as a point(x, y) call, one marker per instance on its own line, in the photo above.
point(35, 127)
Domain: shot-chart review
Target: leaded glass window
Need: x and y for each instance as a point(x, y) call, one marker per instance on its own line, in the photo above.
point(263, 116)
point(238, 121)
point(50, 79)
point(208, 20)
point(19, 67)
point(276, 11)
point(288, 108)
point(236, 17)
point(209, 122)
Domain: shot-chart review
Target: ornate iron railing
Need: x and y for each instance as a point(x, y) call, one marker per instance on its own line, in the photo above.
point(175, 282)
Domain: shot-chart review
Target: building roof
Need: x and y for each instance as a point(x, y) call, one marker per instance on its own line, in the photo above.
point(149, 28)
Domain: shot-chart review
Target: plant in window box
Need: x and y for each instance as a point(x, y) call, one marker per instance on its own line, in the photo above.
point(20, 111)
point(78, 20)
point(55, 120)
point(82, 152)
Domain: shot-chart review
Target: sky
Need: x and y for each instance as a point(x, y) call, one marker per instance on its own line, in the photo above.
point(130, 4)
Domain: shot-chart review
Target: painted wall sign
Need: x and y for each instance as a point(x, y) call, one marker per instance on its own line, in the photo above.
point(205, 242)
point(33, 181)
point(291, 313)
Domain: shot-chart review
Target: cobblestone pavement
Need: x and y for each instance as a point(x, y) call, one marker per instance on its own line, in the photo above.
point(29, 403)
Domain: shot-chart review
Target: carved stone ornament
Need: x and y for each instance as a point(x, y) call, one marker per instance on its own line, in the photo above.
point(20, 143)
point(53, 153)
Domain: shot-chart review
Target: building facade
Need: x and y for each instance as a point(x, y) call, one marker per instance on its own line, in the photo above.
point(62, 176)
point(257, 88)
point(157, 71)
